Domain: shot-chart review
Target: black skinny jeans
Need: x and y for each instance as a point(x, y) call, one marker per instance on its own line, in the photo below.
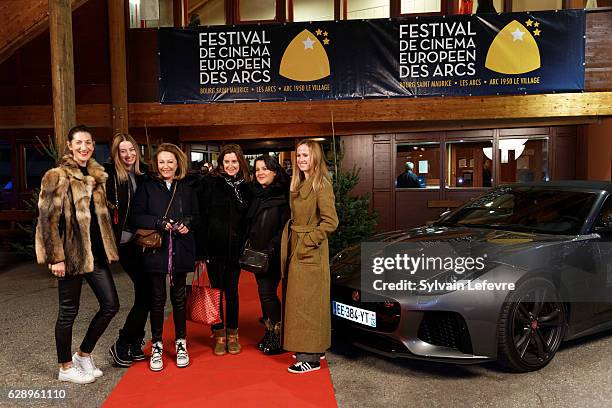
point(158, 303)
point(267, 286)
point(130, 258)
point(225, 276)
point(69, 290)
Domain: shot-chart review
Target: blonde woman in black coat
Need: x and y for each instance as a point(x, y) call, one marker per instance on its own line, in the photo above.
point(124, 177)
point(169, 190)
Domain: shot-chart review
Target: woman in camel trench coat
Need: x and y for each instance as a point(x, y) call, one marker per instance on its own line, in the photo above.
point(305, 260)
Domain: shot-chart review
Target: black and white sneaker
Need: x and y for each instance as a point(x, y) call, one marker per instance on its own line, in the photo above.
point(136, 352)
point(120, 354)
point(302, 367)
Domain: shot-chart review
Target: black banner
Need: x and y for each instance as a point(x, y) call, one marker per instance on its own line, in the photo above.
point(459, 55)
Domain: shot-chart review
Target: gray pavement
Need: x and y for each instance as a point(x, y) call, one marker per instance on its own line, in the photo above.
point(579, 376)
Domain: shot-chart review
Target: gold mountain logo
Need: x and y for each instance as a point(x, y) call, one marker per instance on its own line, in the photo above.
point(305, 58)
point(514, 50)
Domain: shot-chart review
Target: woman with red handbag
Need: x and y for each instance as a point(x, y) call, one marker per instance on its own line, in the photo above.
point(224, 200)
point(168, 204)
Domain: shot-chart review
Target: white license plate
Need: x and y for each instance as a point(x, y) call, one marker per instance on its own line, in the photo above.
point(354, 314)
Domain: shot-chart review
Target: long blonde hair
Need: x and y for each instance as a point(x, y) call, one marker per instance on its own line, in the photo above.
point(318, 168)
point(122, 174)
point(181, 160)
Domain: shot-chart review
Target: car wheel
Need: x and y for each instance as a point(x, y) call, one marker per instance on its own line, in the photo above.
point(531, 326)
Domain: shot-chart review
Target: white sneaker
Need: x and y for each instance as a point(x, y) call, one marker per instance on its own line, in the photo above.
point(182, 358)
point(87, 365)
point(156, 363)
point(74, 375)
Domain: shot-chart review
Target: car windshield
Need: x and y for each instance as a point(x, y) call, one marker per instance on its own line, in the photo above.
point(527, 209)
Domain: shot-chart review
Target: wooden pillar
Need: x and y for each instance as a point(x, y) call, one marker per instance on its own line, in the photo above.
point(62, 70)
point(116, 30)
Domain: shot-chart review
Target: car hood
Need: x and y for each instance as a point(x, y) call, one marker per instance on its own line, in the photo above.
point(524, 250)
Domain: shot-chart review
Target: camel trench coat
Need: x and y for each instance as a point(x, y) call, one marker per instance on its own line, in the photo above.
point(305, 266)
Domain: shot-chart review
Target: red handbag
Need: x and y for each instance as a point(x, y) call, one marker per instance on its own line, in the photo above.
point(203, 301)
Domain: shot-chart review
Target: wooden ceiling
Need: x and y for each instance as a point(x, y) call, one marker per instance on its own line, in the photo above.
point(21, 21)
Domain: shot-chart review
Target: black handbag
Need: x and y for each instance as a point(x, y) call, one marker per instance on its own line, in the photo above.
point(254, 261)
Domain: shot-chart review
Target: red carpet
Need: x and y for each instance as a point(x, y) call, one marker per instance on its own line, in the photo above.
point(249, 379)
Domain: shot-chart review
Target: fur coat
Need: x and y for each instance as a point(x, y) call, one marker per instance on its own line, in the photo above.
point(63, 228)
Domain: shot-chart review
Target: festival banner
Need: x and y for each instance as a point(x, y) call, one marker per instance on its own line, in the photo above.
point(458, 55)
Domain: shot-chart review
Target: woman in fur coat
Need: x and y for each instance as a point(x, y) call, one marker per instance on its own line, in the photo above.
point(74, 237)
point(124, 178)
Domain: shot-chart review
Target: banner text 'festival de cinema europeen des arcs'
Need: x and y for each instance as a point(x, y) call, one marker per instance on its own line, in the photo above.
point(512, 53)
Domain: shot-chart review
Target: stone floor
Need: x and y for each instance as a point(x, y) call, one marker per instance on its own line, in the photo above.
point(579, 376)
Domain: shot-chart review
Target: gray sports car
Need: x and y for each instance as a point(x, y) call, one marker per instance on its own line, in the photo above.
point(548, 243)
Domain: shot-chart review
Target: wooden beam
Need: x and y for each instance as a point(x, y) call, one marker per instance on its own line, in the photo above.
point(41, 116)
point(22, 21)
point(62, 70)
point(118, 71)
point(376, 110)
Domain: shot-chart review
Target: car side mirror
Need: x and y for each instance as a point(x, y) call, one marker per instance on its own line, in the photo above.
point(603, 223)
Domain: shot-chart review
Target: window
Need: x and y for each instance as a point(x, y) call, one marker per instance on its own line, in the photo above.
point(257, 10)
point(313, 10)
point(468, 166)
point(420, 6)
point(37, 162)
point(201, 153)
point(417, 165)
point(6, 178)
point(101, 152)
point(211, 12)
point(498, 4)
point(522, 160)
point(151, 13)
point(362, 9)
point(535, 5)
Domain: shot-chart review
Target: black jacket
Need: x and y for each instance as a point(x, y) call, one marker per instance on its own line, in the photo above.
point(222, 230)
point(150, 204)
point(267, 215)
point(121, 198)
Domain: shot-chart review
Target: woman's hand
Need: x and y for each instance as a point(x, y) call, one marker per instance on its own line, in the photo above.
point(182, 229)
point(59, 269)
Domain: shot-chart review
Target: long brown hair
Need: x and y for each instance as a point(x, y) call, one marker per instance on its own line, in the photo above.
point(318, 168)
point(232, 148)
point(181, 159)
point(120, 170)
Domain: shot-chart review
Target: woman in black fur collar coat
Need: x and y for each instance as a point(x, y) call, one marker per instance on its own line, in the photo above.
point(74, 237)
point(224, 200)
point(267, 215)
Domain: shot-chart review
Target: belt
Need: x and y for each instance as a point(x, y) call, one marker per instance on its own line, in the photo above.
point(303, 228)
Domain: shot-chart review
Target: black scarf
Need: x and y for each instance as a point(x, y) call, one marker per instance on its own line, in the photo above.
point(234, 182)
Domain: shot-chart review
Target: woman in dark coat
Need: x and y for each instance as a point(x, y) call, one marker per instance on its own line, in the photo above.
point(224, 200)
point(168, 203)
point(124, 177)
point(267, 215)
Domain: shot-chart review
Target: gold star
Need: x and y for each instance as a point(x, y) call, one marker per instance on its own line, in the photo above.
point(537, 32)
point(319, 31)
point(536, 24)
point(326, 41)
point(325, 33)
point(529, 22)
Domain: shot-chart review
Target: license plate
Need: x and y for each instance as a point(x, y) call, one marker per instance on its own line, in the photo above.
point(354, 314)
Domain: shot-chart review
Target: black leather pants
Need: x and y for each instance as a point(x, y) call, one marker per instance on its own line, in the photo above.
point(158, 303)
point(133, 331)
point(69, 290)
point(267, 286)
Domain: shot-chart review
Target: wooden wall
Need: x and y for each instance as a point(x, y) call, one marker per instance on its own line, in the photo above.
point(404, 208)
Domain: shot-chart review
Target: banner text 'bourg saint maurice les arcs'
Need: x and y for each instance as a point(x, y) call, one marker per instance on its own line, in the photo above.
point(460, 55)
